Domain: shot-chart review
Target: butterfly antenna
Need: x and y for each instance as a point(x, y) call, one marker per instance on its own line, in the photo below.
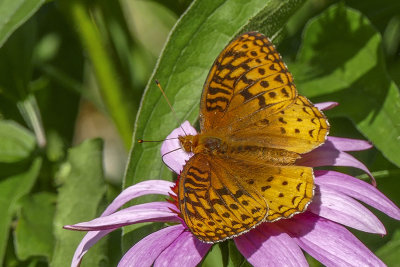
point(162, 157)
point(169, 104)
point(154, 141)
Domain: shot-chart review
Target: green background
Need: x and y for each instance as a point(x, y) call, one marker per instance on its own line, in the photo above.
point(77, 90)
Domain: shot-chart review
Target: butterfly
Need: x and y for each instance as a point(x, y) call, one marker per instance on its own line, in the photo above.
point(254, 126)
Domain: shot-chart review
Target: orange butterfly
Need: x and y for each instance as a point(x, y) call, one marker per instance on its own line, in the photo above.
point(254, 126)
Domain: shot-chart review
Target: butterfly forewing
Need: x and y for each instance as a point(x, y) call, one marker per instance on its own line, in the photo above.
point(298, 128)
point(247, 77)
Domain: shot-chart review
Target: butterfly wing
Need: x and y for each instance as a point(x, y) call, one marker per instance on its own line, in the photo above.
point(219, 198)
point(250, 92)
point(247, 77)
point(286, 190)
point(299, 128)
point(249, 101)
point(213, 203)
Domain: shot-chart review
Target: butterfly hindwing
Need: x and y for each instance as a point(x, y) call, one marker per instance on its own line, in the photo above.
point(220, 199)
point(282, 190)
point(287, 189)
point(213, 203)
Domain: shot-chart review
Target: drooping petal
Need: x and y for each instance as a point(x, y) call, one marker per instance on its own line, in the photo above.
point(338, 207)
point(87, 242)
point(328, 242)
point(357, 189)
point(140, 189)
point(171, 151)
point(330, 156)
point(347, 144)
point(147, 212)
point(186, 250)
point(143, 188)
point(146, 251)
point(326, 105)
point(267, 245)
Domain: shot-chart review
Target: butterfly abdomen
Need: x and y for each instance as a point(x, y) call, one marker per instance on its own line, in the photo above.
point(270, 156)
point(219, 146)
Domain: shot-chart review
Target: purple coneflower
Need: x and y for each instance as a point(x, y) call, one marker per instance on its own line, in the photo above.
point(319, 231)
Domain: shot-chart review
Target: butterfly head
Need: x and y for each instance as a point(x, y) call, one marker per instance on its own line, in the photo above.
point(189, 142)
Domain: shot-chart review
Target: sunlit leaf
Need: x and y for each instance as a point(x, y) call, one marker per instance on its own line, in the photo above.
point(15, 12)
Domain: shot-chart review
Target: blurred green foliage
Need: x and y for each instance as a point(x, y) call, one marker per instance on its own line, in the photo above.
point(57, 58)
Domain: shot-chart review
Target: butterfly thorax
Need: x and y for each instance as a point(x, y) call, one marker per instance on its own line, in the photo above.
point(203, 144)
point(213, 145)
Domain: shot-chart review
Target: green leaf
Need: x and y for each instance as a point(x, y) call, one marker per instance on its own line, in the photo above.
point(341, 59)
point(213, 257)
point(389, 253)
point(32, 236)
point(17, 143)
point(235, 257)
point(195, 42)
point(11, 190)
point(177, 6)
point(81, 191)
point(379, 12)
point(312, 262)
point(13, 13)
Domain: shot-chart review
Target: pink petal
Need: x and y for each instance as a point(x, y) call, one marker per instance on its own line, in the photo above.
point(146, 251)
point(87, 242)
point(186, 250)
point(143, 188)
point(347, 144)
point(335, 206)
point(137, 190)
point(329, 156)
point(171, 150)
point(147, 212)
point(357, 189)
point(267, 245)
point(328, 242)
point(326, 105)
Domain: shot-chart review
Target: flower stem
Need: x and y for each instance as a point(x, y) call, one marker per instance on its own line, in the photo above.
point(107, 78)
